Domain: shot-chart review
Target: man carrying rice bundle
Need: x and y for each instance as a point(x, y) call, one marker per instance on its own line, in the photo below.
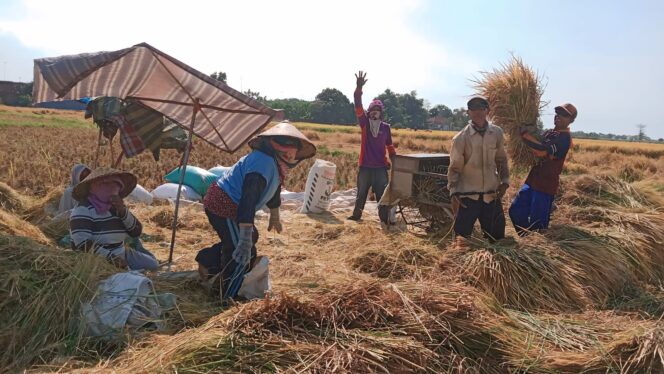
point(531, 209)
point(232, 202)
point(478, 174)
point(101, 221)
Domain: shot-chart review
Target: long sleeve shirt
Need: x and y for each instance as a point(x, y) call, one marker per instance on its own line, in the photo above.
point(372, 149)
point(218, 202)
point(101, 232)
point(545, 175)
point(478, 163)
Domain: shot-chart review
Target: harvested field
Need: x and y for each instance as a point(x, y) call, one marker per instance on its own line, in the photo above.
point(585, 296)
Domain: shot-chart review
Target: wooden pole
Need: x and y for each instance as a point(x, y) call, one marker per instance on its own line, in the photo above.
point(94, 166)
point(110, 146)
point(183, 170)
point(117, 162)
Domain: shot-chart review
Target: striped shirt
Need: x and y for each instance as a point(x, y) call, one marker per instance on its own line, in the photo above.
point(107, 231)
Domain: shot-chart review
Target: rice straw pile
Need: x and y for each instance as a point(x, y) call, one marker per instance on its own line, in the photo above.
point(56, 227)
point(588, 342)
point(41, 294)
point(11, 224)
point(12, 201)
point(397, 264)
point(43, 209)
point(526, 275)
point(352, 328)
point(603, 191)
point(515, 96)
point(584, 296)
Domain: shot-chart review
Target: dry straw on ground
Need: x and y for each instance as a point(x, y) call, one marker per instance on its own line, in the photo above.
point(12, 201)
point(351, 328)
point(11, 224)
point(586, 296)
point(42, 290)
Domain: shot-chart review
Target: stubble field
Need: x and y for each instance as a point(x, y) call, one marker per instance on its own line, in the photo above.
point(586, 296)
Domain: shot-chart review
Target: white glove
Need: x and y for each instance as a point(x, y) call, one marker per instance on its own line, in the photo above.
point(242, 252)
point(275, 222)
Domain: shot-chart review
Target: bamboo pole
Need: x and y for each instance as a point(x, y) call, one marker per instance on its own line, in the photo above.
point(183, 170)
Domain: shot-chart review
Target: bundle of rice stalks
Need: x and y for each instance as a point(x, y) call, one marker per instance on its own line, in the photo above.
point(646, 353)
point(454, 316)
point(431, 189)
point(528, 275)
point(352, 306)
point(605, 268)
point(42, 290)
point(577, 343)
point(394, 265)
point(57, 227)
point(652, 190)
point(219, 351)
point(638, 235)
point(194, 305)
point(12, 201)
point(44, 208)
point(163, 217)
point(350, 328)
point(515, 96)
point(643, 299)
point(603, 191)
point(11, 224)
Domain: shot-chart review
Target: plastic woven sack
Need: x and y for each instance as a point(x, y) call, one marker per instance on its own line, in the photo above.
point(197, 178)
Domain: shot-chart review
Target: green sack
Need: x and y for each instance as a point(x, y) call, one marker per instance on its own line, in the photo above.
point(197, 178)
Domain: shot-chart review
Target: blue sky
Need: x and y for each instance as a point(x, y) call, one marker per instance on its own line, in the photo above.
point(606, 57)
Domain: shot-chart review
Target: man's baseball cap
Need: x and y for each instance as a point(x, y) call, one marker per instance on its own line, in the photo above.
point(568, 108)
point(478, 100)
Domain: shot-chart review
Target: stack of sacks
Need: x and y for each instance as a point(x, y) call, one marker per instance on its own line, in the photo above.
point(195, 185)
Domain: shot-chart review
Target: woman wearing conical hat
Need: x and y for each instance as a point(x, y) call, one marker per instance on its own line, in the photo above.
point(232, 202)
point(101, 221)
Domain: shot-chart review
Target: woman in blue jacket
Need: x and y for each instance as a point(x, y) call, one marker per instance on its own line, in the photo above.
point(231, 204)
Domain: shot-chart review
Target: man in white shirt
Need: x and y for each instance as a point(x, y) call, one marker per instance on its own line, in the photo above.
point(478, 175)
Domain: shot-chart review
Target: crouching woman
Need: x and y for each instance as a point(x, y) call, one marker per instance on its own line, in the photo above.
point(232, 202)
point(101, 222)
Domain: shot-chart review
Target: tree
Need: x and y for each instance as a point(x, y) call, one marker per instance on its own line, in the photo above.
point(219, 75)
point(413, 107)
point(642, 135)
point(23, 94)
point(393, 112)
point(440, 110)
point(404, 110)
point(332, 106)
point(459, 118)
point(255, 95)
point(294, 109)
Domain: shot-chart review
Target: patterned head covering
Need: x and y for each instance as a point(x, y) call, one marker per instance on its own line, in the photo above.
point(376, 102)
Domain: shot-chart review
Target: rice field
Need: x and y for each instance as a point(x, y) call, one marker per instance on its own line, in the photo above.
point(586, 296)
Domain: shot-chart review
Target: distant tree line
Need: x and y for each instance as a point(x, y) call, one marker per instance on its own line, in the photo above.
point(402, 110)
point(331, 106)
point(640, 137)
point(16, 94)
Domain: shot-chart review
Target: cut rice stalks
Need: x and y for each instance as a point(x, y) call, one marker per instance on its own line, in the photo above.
point(515, 93)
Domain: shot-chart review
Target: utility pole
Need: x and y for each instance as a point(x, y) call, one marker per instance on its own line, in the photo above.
point(642, 133)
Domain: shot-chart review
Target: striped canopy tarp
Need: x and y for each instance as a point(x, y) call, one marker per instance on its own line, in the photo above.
point(227, 118)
